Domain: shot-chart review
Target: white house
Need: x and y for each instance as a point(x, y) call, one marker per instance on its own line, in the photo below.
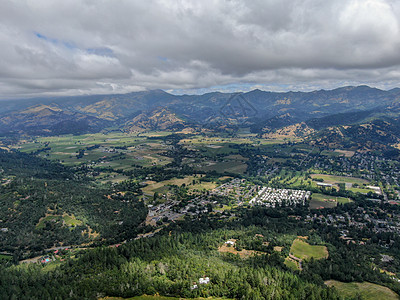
point(205, 280)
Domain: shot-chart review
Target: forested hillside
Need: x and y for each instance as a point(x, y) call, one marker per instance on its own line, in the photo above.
point(44, 204)
point(165, 265)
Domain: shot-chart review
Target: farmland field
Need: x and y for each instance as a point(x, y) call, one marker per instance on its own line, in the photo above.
point(368, 291)
point(326, 201)
point(117, 150)
point(163, 186)
point(232, 166)
point(303, 250)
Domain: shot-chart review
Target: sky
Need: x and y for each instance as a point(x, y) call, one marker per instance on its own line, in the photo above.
point(54, 48)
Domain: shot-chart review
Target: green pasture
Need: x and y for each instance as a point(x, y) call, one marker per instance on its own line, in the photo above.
point(303, 250)
point(361, 190)
point(230, 166)
point(291, 264)
point(363, 290)
point(69, 220)
point(326, 201)
point(339, 179)
point(162, 186)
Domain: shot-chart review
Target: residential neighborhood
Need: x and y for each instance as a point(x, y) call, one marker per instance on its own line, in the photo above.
point(271, 197)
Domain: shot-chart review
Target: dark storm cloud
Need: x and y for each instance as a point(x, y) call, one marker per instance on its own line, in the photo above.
point(75, 47)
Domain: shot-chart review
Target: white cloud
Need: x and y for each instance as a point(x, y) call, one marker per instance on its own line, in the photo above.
point(72, 47)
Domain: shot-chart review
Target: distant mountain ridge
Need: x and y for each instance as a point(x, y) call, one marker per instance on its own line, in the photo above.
point(378, 134)
point(158, 119)
point(263, 111)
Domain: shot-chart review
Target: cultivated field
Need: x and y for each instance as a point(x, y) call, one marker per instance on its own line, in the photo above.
point(117, 150)
point(326, 201)
point(163, 186)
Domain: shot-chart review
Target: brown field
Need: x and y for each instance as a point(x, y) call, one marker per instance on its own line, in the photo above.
point(345, 152)
point(243, 253)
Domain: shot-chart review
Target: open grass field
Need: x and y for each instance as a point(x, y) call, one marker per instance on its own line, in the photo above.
point(67, 219)
point(70, 220)
point(231, 166)
point(233, 163)
point(203, 186)
point(242, 138)
point(111, 177)
point(326, 201)
point(292, 264)
point(303, 250)
point(163, 186)
point(339, 179)
point(361, 190)
point(367, 291)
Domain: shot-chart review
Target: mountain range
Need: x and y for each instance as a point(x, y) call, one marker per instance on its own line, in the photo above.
point(310, 113)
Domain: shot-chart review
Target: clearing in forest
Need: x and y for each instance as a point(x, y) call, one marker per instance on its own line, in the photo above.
point(230, 248)
point(366, 290)
point(302, 250)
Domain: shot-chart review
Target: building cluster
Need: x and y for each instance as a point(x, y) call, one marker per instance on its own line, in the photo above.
point(237, 188)
point(372, 219)
point(271, 197)
point(361, 165)
point(202, 280)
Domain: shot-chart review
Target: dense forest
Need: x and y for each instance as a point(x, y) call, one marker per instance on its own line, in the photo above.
point(168, 265)
point(46, 203)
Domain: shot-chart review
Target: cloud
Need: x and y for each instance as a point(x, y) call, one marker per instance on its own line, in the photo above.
point(78, 47)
